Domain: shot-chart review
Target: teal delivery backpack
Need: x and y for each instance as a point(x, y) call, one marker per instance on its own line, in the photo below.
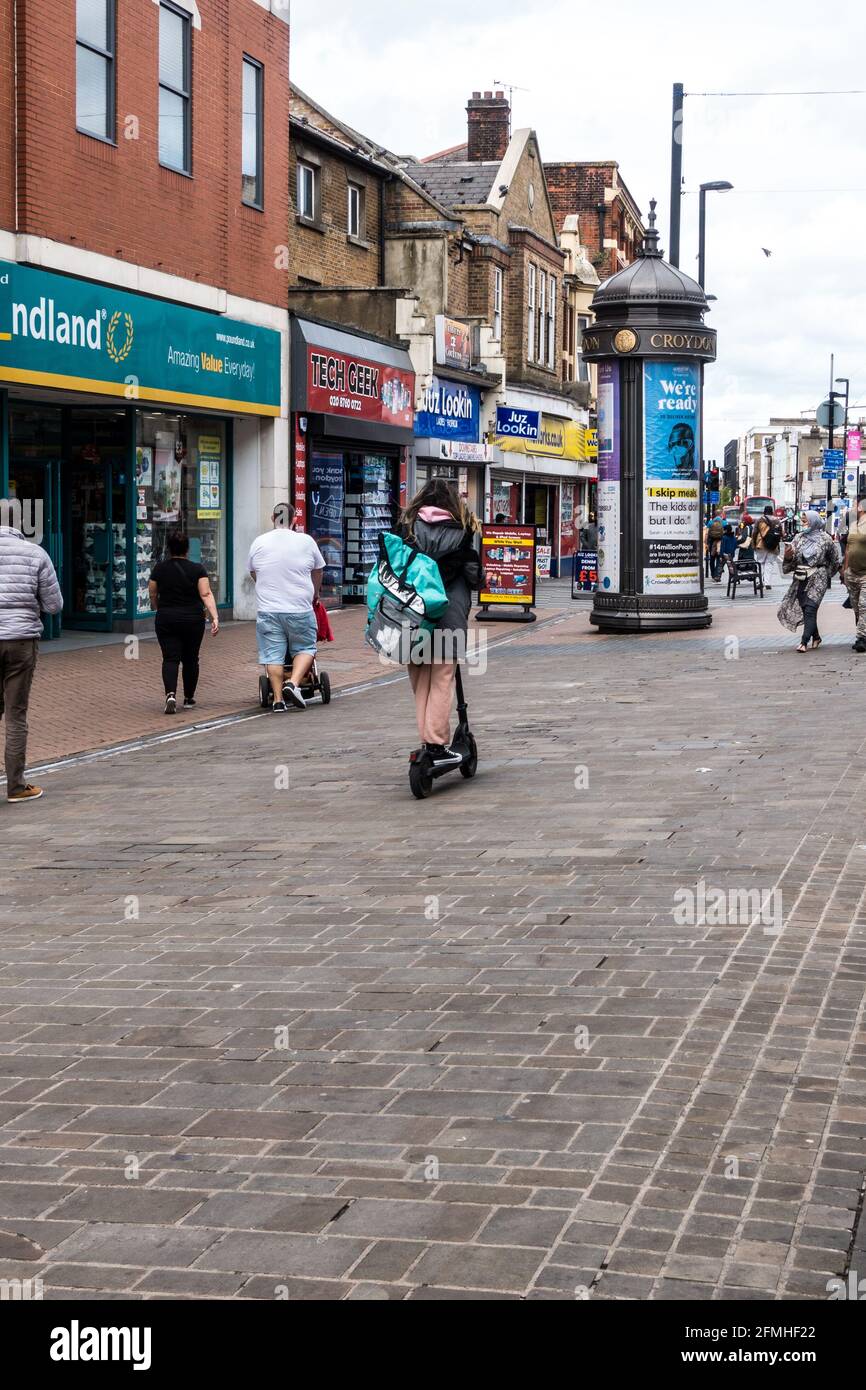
point(405, 597)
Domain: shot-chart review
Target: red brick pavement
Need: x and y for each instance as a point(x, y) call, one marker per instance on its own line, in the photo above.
point(96, 697)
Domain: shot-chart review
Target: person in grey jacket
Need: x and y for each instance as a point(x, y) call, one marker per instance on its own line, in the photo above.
point(28, 587)
point(441, 526)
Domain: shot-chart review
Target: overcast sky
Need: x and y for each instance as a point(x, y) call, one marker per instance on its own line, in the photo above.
point(599, 87)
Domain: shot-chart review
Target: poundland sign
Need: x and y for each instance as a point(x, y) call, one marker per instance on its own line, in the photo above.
point(75, 335)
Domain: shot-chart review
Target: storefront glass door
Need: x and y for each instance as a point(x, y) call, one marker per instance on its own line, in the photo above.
point(34, 452)
point(90, 549)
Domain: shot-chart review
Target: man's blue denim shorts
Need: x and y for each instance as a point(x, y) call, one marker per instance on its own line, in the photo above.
point(282, 634)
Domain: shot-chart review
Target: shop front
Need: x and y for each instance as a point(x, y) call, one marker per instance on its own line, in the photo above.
point(117, 428)
point(352, 412)
point(540, 476)
point(448, 442)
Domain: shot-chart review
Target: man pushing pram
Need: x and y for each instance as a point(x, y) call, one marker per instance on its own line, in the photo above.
point(287, 568)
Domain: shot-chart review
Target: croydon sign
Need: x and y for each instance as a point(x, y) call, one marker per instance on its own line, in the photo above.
point(73, 334)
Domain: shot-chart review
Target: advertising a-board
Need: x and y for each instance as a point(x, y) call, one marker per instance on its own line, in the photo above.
point(671, 504)
point(585, 579)
point(508, 560)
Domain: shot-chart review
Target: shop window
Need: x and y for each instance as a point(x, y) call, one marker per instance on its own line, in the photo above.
point(175, 88)
point(181, 477)
point(498, 279)
point(308, 191)
point(530, 343)
point(356, 218)
point(94, 67)
point(583, 323)
point(252, 154)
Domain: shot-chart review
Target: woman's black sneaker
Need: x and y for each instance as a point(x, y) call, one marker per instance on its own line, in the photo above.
point(170, 704)
point(441, 755)
point(189, 704)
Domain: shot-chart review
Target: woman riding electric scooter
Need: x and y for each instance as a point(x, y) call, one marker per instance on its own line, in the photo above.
point(443, 527)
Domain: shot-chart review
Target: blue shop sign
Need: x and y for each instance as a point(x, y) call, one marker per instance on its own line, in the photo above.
point(512, 423)
point(448, 410)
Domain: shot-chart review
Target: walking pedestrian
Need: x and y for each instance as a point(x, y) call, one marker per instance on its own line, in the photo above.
point(813, 557)
point(767, 540)
point(854, 573)
point(715, 532)
point(180, 593)
point(28, 587)
point(442, 526)
point(588, 535)
point(745, 549)
point(287, 569)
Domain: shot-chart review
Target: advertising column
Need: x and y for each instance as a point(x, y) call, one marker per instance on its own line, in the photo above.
point(609, 465)
point(671, 558)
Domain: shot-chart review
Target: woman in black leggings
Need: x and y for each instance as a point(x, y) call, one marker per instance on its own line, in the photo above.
point(178, 589)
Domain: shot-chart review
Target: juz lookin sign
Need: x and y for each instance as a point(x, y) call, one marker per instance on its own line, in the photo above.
point(339, 384)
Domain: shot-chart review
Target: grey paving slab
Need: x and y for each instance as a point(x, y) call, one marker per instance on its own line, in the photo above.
point(492, 1045)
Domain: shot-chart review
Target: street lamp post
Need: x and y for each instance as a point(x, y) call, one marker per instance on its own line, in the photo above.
point(847, 384)
point(720, 186)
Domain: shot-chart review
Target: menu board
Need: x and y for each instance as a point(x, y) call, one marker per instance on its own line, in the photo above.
point(508, 558)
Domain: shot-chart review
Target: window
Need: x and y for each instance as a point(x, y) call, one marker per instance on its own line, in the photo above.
point(175, 65)
point(308, 191)
point(497, 303)
point(583, 323)
point(356, 217)
point(252, 190)
point(94, 67)
point(551, 323)
point(530, 347)
point(542, 295)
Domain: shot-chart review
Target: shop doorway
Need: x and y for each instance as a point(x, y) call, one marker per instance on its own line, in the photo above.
point(34, 482)
point(93, 500)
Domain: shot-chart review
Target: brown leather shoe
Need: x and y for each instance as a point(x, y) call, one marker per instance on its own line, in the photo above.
point(25, 793)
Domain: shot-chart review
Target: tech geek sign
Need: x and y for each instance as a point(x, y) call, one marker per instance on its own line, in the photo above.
point(353, 387)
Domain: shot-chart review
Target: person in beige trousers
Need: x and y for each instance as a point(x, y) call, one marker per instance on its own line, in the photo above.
point(441, 526)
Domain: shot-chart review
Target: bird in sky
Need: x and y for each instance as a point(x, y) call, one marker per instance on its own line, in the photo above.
point(766, 252)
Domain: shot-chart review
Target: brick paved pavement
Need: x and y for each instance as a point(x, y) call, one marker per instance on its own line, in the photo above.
point(356, 1046)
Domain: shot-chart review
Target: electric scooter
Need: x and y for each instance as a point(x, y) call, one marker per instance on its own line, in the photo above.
point(423, 771)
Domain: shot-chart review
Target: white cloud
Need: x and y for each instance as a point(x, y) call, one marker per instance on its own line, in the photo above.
point(599, 86)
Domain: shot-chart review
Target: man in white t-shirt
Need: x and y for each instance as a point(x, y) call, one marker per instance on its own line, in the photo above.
point(287, 568)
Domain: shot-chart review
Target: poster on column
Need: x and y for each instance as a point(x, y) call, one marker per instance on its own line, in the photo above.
point(671, 496)
point(608, 477)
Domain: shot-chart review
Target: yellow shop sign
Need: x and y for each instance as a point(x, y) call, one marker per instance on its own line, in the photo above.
point(560, 439)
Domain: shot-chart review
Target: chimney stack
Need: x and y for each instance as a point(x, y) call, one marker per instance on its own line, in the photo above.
point(489, 126)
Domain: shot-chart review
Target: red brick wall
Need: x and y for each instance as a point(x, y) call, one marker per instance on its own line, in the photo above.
point(580, 188)
point(324, 254)
point(7, 122)
point(116, 199)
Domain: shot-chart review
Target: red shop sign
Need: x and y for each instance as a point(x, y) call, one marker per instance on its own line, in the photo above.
point(338, 384)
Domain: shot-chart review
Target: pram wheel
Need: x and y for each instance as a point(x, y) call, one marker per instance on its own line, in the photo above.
point(325, 687)
point(266, 696)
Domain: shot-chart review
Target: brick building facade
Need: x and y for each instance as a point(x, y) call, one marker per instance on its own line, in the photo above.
point(495, 182)
point(136, 176)
point(611, 228)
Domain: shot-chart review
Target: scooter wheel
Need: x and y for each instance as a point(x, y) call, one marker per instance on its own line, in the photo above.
point(325, 687)
point(470, 766)
point(266, 697)
point(420, 781)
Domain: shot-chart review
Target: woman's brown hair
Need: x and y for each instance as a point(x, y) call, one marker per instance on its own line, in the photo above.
point(438, 492)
